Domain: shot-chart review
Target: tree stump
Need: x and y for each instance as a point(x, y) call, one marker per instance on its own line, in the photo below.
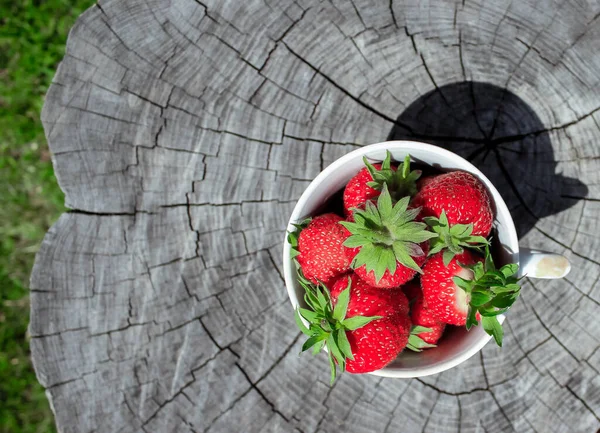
point(182, 134)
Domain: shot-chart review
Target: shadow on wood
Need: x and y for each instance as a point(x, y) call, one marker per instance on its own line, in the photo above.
point(503, 136)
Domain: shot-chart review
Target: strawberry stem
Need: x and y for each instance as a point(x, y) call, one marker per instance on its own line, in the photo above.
point(452, 239)
point(387, 235)
point(293, 236)
point(416, 343)
point(327, 324)
point(492, 292)
point(401, 182)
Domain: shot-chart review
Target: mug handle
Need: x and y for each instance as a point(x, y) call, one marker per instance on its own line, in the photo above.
point(541, 264)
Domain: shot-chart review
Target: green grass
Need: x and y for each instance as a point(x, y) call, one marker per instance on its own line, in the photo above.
point(32, 41)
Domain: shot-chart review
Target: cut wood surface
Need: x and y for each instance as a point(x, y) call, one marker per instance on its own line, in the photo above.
point(183, 132)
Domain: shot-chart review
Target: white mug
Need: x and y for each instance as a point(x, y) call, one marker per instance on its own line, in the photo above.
point(459, 344)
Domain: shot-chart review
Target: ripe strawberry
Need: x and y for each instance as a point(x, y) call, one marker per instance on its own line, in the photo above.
point(353, 339)
point(420, 315)
point(446, 301)
point(386, 245)
point(470, 289)
point(378, 343)
point(358, 191)
point(369, 301)
point(462, 196)
point(366, 300)
point(368, 182)
point(320, 252)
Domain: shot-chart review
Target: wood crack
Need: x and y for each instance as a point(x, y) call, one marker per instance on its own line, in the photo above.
point(59, 333)
point(108, 214)
point(537, 316)
point(275, 266)
point(396, 406)
point(585, 403)
point(229, 408)
point(391, 6)
point(110, 29)
point(430, 413)
point(337, 86)
point(453, 394)
point(262, 395)
point(566, 247)
point(502, 411)
point(516, 68)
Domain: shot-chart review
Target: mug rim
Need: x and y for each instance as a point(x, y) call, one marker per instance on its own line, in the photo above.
point(405, 145)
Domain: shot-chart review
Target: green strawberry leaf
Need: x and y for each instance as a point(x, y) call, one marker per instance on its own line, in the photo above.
point(478, 270)
point(386, 235)
point(310, 316)
point(406, 166)
point(323, 301)
point(344, 344)
point(416, 344)
point(504, 300)
point(312, 341)
point(489, 262)
point(476, 240)
point(355, 241)
point(436, 248)
point(432, 222)
point(452, 238)
point(458, 230)
point(462, 283)
point(509, 270)
point(492, 327)
point(401, 182)
point(332, 367)
point(339, 312)
point(472, 318)
point(356, 322)
point(384, 204)
point(300, 324)
point(366, 254)
point(293, 236)
point(318, 347)
point(443, 219)
point(404, 257)
point(510, 287)
point(479, 298)
point(493, 292)
point(499, 276)
point(490, 280)
point(417, 233)
point(447, 256)
point(335, 350)
point(311, 301)
point(453, 247)
point(491, 311)
point(419, 329)
point(327, 323)
point(402, 215)
point(368, 234)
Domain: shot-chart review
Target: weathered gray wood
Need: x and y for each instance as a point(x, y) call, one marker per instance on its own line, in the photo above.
point(182, 133)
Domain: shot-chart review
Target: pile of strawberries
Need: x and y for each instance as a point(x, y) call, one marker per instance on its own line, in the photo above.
point(409, 257)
